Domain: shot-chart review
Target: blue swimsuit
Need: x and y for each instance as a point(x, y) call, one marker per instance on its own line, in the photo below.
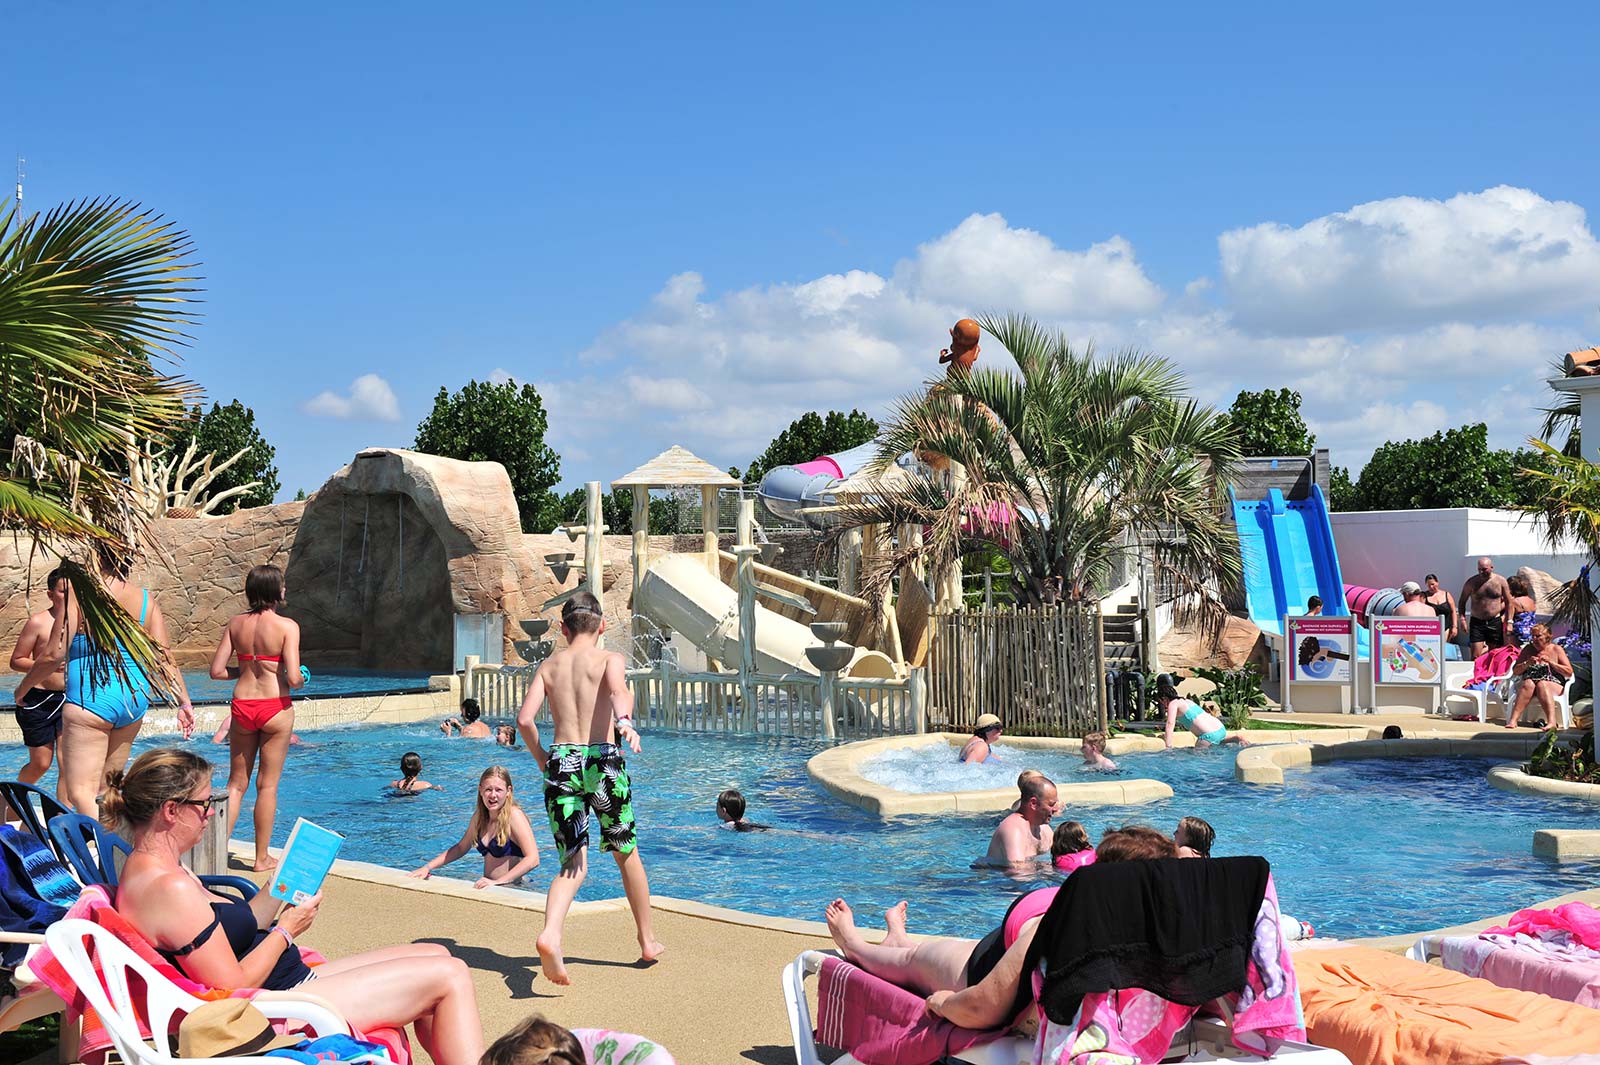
point(114, 702)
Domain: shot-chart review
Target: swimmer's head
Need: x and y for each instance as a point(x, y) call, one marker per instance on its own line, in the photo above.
point(411, 765)
point(1070, 838)
point(263, 588)
point(506, 735)
point(470, 711)
point(730, 805)
point(1195, 834)
point(988, 727)
point(1166, 688)
point(1134, 843)
point(1095, 741)
point(582, 614)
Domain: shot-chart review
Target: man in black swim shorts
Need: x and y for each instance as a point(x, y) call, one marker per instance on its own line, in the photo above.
point(39, 708)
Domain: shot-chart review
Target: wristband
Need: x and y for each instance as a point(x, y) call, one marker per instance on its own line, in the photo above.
point(626, 721)
point(284, 932)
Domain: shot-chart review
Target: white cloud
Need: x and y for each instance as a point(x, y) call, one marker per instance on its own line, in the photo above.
point(1407, 261)
point(370, 399)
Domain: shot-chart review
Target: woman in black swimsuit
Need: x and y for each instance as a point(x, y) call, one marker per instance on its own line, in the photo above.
point(500, 831)
point(1443, 603)
point(165, 799)
point(1542, 671)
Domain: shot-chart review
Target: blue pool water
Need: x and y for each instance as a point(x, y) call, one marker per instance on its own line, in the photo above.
point(202, 689)
point(1359, 848)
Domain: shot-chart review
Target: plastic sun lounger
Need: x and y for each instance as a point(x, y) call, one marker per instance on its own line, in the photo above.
point(1491, 690)
point(1206, 1039)
point(1574, 980)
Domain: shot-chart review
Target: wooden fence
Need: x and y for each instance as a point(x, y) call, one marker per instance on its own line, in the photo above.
point(796, 705)
point(1041, 670)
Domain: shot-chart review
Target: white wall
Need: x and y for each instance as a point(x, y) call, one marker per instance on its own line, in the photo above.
point(1382, 548)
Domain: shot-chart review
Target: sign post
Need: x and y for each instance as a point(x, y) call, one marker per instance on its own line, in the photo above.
point(1408, 652)
point(1320, 650)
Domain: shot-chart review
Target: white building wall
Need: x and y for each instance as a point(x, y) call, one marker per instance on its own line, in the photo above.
point(1383, 548)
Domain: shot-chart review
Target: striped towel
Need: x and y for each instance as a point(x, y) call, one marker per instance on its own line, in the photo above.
point(22, 909)
point(882, 1024)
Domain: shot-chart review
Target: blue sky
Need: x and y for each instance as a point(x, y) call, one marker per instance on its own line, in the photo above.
point(689, 224)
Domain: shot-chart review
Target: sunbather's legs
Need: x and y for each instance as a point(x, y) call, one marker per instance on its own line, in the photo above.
point(894, 922)
point(1524, 697)
point(1547, 690)
point(924, 967)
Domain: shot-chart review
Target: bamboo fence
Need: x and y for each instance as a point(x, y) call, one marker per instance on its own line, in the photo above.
point(1039, 669)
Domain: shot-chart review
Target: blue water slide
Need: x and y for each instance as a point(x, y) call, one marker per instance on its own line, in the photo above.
point(1287, 549)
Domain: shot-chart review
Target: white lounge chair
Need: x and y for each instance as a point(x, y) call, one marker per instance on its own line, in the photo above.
point(1206, 1039)
point(1494, 689)
point(161, 1001)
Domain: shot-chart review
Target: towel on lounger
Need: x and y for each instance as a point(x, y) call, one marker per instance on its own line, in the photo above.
point(1526, 964)
point(882, 1024)
point(1577, 921)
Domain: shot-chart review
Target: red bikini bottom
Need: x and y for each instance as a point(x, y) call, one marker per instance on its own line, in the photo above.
point(251, 714)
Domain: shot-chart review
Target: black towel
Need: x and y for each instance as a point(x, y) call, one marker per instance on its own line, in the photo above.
point(1178, 927)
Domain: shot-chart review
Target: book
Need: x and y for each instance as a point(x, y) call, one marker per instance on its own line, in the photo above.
point(305, 862)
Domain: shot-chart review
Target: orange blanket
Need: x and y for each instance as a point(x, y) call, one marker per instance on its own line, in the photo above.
point(1381, 1008)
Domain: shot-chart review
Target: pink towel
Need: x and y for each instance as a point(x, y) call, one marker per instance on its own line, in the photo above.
point(1578, 920)
point(882, 1024)
point(1491, 664)
point(1269, 1006)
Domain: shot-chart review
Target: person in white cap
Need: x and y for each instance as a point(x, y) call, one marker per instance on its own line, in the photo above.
point(1416, 604)
point(1025, 834)
point(984, 732)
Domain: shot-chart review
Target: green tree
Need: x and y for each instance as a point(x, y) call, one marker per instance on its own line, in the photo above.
point(90, 294)
point(1066, 460)
point(1342, 490)
point(1269, 423)
point(504, 423)
point(1454, 468)
point(809, 436)
point(222, 431)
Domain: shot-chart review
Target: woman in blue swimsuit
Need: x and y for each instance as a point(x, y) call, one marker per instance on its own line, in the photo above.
point(499, 830)
point(101, 720)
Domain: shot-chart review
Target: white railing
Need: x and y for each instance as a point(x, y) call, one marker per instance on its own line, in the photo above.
point(797, 704)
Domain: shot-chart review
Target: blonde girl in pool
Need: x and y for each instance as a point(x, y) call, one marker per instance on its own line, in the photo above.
point(500, 831)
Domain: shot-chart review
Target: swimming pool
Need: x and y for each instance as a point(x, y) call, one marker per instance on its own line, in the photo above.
point(1359, 847)
point(324, 682)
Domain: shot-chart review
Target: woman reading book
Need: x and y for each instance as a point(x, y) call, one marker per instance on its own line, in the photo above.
point(500, 831)
point(165, 802)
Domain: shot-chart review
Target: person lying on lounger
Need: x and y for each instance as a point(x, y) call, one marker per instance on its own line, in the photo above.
point(975, 983)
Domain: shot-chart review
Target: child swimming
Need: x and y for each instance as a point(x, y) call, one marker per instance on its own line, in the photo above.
point(467, 725)
point(1191, 715)
point(500, 831)
point(1070, 849)
point(730, 811)
point(1194, 838)
point(505, 735)
point(410, 772)
point(1094, 752)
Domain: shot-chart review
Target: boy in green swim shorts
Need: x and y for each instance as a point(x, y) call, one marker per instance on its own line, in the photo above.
point(584, 772)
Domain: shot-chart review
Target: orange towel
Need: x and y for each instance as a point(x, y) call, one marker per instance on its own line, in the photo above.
point(1384, 1009)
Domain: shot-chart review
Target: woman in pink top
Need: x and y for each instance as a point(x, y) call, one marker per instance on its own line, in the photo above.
point(974, 983)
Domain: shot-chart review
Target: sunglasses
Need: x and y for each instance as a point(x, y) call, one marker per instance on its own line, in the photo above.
point(206, 805)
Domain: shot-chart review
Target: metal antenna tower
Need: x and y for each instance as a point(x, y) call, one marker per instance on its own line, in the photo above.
point(21, 173)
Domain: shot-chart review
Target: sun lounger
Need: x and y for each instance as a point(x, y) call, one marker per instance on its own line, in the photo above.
point(1207, 1039)
point(1384, 1009)
point(1505, 698)
point(1518, 965)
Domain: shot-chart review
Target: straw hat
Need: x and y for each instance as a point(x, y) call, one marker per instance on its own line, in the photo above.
point(228, 1027)
point(986, 722)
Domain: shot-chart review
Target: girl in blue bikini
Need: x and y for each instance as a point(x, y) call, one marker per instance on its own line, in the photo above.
point(103, 714)
point(500, 831)
point(1191, 715)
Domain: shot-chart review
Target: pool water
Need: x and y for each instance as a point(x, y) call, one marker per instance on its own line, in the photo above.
point(1358, 848)
point(202, 689)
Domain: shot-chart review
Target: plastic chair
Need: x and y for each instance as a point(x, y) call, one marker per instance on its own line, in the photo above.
point(121, 1003)
point(1494, 689)
point(72, 835)
point(34, 808)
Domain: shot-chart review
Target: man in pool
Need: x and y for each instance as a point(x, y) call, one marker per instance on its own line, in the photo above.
point(985, 732)
point(1024, 834)
point(584, 770)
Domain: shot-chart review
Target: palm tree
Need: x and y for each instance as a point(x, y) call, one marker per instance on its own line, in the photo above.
point(1566, 507)
point(92, 295)
point(1062, 465)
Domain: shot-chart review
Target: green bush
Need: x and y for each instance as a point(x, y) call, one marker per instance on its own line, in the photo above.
point(1238, 694)
point(1565, 761)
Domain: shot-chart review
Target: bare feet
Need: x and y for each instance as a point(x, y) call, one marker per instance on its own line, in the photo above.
point(551, 963)
point(265, 865)
point(842, 927)
point(650, 949)
point(894, 919)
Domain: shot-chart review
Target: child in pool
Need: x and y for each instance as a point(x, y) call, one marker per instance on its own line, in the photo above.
point(730, 811)
point(467, 726)
point(505, 735)
point(500, 831)
point(1070, 849)
point(410, 772)
point(1194, 838)
point(1191, 715)
point(1094, 753)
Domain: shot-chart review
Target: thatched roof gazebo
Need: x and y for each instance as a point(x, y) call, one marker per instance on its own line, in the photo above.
point(676, 467)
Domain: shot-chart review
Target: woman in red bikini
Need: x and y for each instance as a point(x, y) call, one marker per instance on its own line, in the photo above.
point(267, 645)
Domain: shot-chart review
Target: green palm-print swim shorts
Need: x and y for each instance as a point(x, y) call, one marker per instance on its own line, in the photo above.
point(580, 777)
